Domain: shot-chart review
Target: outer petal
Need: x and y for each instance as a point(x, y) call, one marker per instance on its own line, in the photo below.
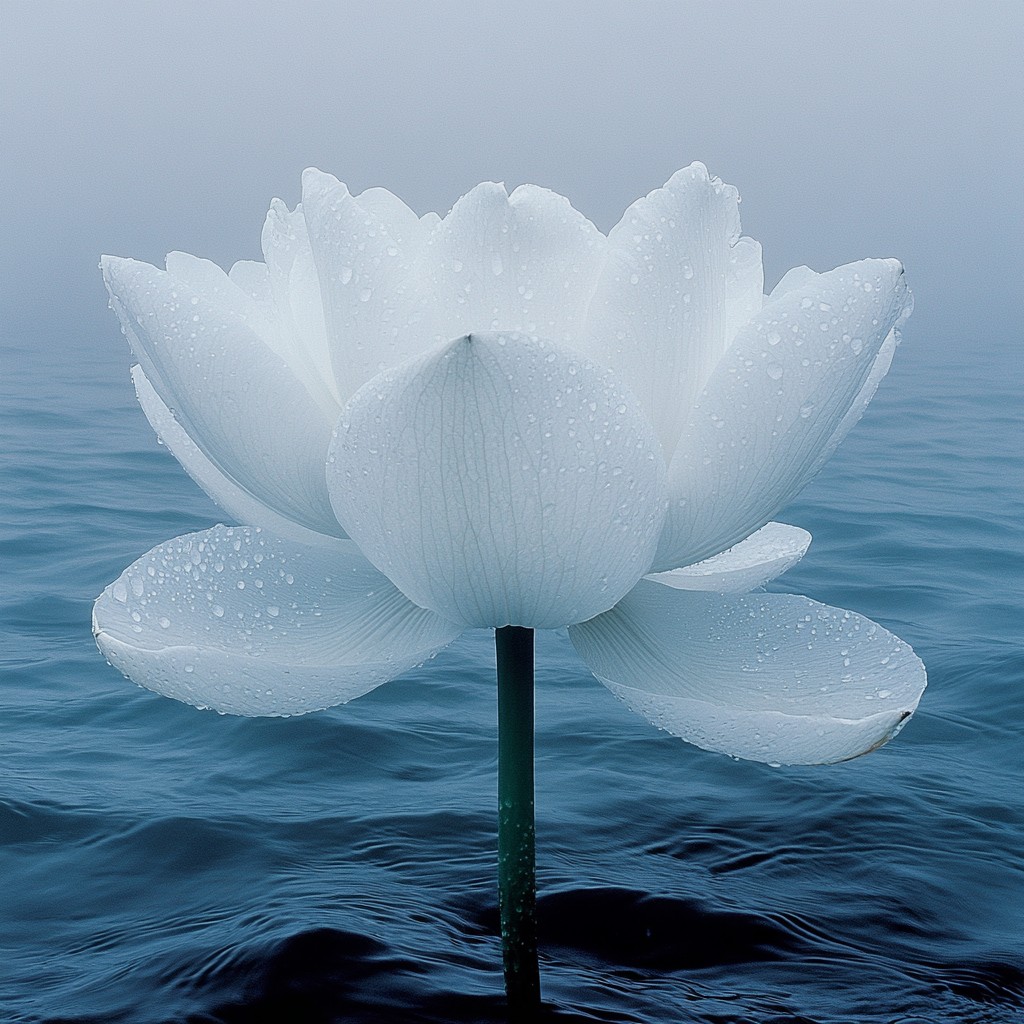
point(767, 677)
point(764, 555)
point(376, 313)
point(249, 624)
point(241, 505)
point(234, 397)
point(500, 479)
point(678, 283)
point(800, 277)
point(794, 381)
point(525, 262)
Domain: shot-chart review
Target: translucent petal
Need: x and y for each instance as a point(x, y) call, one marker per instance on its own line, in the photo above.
point(763, 556)
point(300, 309)
point(526, 262)
point(240, 504)
point(398, 220)
point(254, 279)
point(205, 278)
point(678, 283)
point(798, 277)
point(376, 313)
point(766, 677)
point(500, 479)
point(249, 624)
point(779, 402)
point(232, 395)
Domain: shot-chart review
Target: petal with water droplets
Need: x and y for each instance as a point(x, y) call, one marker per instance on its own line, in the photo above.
point(764, 555)
point(678, 283)
point(500, 479)
point(794, 381)
point(776, 678)
point(245, 623)
point(233, 396)
point(523, 262)
point(240, 504)
point(376, 313)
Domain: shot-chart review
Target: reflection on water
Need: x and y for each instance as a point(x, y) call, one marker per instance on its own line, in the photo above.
point(165, 864)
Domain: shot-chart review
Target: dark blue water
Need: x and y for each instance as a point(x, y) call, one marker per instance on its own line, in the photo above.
point(162, 864)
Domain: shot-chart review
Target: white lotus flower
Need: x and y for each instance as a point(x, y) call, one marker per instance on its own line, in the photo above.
point(506, 417)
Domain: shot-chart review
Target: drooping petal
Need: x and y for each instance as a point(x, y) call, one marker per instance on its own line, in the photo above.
point(241, 505)
point(376, 313)
point(776, 678)
point(764, 555)
point(232, 395)
point(526, 262)
point(779, 402)
point(245, 623)
point(500, 479)
point(678, 283)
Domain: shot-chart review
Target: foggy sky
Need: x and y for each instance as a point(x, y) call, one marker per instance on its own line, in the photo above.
point(851, 130)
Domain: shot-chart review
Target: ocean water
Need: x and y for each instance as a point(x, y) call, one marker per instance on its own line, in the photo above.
point(162, 864)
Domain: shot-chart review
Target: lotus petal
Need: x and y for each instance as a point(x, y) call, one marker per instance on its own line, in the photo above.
point(798, 277)
point(525, 262)
point(400, 222)
point(500, 479)
point(779, 402)
point(776, 678)
point(295, 286)
point(678, 283)
point(764, 555)
point(241, 505)
point(245, 623)
point(376, 313)
point(253, 278)
point(233, 396)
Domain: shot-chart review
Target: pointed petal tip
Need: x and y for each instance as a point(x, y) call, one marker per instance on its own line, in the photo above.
point(110, 266)
point(317, 182)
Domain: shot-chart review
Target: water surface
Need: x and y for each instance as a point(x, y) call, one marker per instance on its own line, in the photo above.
point(163, 864)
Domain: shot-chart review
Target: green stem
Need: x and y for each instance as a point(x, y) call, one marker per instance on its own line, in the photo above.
point(517, 886)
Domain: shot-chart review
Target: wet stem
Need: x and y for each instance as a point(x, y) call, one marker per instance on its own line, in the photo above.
point(517, 886)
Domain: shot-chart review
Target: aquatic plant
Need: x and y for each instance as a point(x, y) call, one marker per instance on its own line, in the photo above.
point(506, 419)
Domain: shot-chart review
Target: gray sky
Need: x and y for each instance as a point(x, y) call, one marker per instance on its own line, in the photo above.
point(851, 130)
